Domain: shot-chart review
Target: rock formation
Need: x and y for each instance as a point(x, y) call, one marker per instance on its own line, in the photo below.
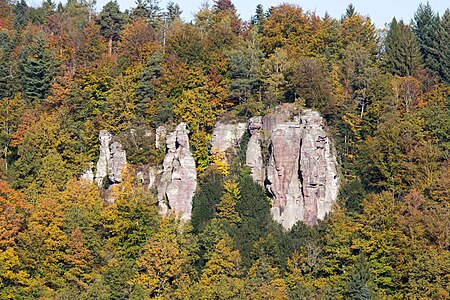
point(179, 177)
point(317, 168)
point(111, 160)
point(290, 155)
point(227, 136)
point(88, 174)
point(283, 180)
point(160, 136)
point(300, 172)
point(253, 155)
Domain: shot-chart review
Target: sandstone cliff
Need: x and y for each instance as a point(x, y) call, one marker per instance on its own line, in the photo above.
point(179, 177)
point(300, 172)
point(291, 155)
point(111, 160)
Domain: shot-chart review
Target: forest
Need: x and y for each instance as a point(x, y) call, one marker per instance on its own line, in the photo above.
point(68, 71)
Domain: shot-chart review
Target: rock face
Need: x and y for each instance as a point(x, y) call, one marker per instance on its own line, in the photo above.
point(227, 136)
point(111, 160)
point(300, 172)
point(291, 155)
point(179, 177)
point(317, 168)
point(160, 136)
point(253, 156)
point(283, 180)
point(117, 160)
point(88, 174)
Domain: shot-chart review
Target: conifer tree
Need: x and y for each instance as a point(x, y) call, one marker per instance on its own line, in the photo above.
point(402, 55)
point(445, 46)
point(427, 31)
point(111, 22)
point(37, 69)
point(149, 82)
point(148, 10)
point(173, 11)
point(258, 19)
point(7, 73)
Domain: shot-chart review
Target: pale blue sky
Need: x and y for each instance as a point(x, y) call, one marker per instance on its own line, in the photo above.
point(381, 11)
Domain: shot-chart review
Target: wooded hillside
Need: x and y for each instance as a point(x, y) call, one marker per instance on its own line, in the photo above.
point(67, 72)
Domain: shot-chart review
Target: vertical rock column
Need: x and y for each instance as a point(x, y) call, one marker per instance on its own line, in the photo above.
point(253, 155)
point(301, 171)
point(179, 178)
point(317, 168)
point(103, 159)
point(283, 180)
point(111, 160)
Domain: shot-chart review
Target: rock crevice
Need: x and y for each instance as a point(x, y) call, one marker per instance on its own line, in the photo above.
point(301, 170)
point(179, 176)
point(111, 160)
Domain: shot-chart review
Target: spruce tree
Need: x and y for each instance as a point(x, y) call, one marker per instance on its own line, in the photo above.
point(445, 46)
point(7, 74)
point(402, 55)
point(426, 28)
point(37, 69)
point(148, 10)
point(173, 11)
point(148, 83)
point(258, 19)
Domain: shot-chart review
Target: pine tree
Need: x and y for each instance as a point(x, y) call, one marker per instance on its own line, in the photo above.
point(21, 11)
point(149, 82)
point(148, 10)
point(245, 71)
point(427, 31)
point(359, 285)
point(7, 73)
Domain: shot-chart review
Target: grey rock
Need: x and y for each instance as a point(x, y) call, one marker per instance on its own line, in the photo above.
point(253, 155)
point(283, 180)
point(160, 136)
point(88, 174)
point(111, 160)
point(102, 164)
point(227, 136)
point(179, 177)
point(116, 162)
point(318, 167)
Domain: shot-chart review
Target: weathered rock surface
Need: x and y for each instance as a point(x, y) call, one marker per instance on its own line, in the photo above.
point(179, 177)
point(117, 160)
point(88, 174)
point(291, 155)
point(318, 168)
point(301, 170)
point(283, 180)
point(111, 160)
point(103, 159)
point(227, 136)
point(160, 136)
point(254, 157)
